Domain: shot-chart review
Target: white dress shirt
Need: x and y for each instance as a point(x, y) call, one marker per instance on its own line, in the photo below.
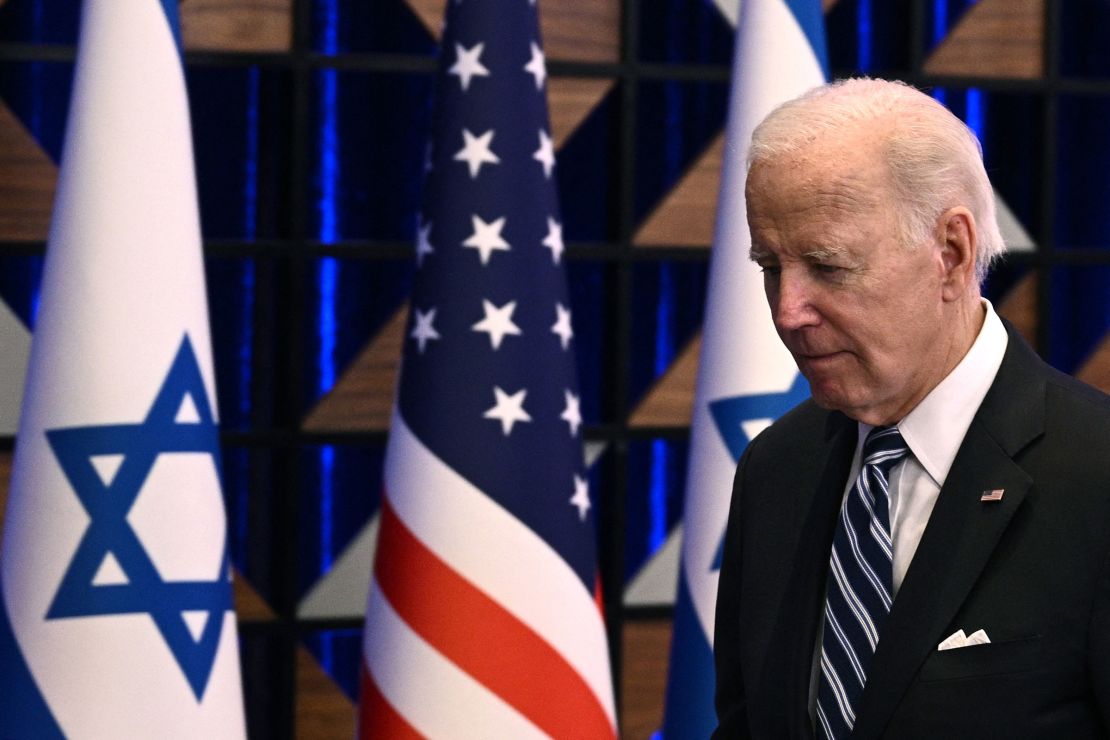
point(933, 431)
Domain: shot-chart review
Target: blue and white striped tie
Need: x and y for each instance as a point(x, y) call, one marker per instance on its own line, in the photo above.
point(859, 591)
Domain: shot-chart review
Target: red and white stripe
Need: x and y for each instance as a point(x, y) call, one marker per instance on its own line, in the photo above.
point(475, 626)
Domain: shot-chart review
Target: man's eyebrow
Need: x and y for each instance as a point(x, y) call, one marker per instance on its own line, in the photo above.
point(755, 254)
point(825, 253)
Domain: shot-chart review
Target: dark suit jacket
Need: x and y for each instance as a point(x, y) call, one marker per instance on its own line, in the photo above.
point(1033, 570)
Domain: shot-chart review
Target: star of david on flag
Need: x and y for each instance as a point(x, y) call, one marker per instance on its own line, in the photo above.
point(732, 417)
point(746, 378)
point(188, 613)
point(116, 615)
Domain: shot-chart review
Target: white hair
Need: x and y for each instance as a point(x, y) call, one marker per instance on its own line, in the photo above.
point(935, 161)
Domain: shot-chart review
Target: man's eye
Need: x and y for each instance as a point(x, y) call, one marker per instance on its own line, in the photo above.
point(828, 269)
point(770, 269)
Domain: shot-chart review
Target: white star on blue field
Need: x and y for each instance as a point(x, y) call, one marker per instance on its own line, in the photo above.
point(109, 533)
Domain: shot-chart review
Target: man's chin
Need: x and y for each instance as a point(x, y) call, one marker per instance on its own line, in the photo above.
point(827, 398)
point(825, 388)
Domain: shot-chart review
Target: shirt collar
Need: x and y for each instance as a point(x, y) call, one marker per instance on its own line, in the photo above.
point(935, 428)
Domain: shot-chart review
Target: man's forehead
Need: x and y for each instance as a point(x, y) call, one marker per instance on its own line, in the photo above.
point(816, 187)
point(813, 204)
point(834, 174)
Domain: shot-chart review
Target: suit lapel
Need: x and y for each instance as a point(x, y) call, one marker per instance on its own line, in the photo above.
point(790, 657)
point(961, 534)
point(956, 545)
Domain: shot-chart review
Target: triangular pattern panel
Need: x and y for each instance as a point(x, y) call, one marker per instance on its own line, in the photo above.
point(994, 38)
point(237, 25)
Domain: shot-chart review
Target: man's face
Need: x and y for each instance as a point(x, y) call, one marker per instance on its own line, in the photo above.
point(862, 315)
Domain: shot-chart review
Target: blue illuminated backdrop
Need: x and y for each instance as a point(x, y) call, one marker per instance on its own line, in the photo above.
point(310, 164)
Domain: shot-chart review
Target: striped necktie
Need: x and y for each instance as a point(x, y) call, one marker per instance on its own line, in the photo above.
point(859, 591)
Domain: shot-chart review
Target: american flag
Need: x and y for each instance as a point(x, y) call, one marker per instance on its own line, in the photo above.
point(483, 617)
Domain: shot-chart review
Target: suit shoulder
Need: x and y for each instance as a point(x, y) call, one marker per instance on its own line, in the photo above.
point(1080, 414)
point(1022, 366)
point(1028, 392)
point(1077, 395)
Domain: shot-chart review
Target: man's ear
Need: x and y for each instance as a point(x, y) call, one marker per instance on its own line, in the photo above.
point(959, 245)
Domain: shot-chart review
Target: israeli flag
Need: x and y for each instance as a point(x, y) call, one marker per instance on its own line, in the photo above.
point(746, 378)
point(116, 618)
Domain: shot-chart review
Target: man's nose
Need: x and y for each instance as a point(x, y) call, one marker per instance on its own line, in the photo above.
point(792, 306)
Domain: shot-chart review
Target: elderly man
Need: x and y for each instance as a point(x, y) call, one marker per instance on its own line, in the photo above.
point(923, 549)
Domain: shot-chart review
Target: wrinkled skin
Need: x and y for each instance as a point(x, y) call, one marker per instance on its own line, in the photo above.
point(872, 323)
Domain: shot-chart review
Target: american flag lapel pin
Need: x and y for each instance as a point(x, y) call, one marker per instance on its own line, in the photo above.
point(993, 495)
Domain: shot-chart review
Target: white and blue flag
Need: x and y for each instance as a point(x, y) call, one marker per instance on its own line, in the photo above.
point(116, 617)
point(746, 378)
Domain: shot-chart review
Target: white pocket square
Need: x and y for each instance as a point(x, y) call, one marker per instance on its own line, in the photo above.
point(958, 640)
